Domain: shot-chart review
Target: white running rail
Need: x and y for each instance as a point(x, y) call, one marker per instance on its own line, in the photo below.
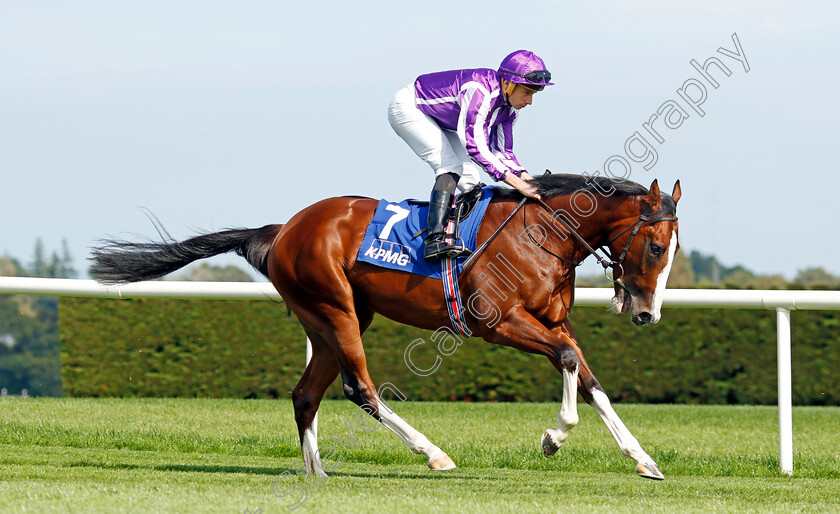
point(781, 301)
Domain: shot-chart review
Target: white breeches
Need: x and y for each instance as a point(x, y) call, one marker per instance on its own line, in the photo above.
point(441, 149)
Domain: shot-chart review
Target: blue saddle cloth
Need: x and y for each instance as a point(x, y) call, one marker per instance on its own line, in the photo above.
point(390, 243)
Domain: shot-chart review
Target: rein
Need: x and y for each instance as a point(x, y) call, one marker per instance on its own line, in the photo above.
point(606, 261)
point(486, 242)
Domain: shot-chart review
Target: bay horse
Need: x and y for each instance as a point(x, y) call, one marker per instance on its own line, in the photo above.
point(520, 290)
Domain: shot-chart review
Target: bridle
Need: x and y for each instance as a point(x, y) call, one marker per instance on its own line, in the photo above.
point(606, 260)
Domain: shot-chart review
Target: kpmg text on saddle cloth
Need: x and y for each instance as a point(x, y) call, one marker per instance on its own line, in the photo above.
point(390, 242)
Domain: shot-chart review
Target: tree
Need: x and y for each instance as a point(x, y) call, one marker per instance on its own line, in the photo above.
point(819, 278)
point(682, 274)
point(54, 266)
point(708, 269)
point(207, 273)
point(33, 362)
point(10, 267)
point(64, 267)
point(38, 266)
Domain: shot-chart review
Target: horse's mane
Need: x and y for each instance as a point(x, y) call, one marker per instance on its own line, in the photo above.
point(566, 183)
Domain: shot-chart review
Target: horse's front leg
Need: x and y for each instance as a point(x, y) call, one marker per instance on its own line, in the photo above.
point(519, 329)
point(595, 396)
point(567, 418)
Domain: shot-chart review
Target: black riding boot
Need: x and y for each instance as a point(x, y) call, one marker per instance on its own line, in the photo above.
point(435, 246)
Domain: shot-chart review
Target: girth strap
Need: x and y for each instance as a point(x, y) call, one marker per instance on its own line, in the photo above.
point(449, 276)
point(452, 296)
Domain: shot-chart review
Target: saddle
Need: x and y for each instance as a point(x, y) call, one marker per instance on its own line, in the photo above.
point(388, 242)
point(465, 203)
point(464, 206)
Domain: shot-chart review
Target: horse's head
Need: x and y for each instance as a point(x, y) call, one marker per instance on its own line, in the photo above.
point(647, 252)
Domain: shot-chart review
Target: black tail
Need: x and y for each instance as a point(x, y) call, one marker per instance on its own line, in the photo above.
point(116, 262)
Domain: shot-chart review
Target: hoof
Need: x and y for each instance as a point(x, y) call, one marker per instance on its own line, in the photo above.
point(313, 467)
point(547, 444)
point(442, 463)
point(649, 470)
point(315, 470)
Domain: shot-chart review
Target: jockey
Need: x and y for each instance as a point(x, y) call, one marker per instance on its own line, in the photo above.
point(459, 120)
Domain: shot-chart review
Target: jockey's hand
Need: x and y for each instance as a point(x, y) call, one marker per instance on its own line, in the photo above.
point(526, 188)
point(531, 192)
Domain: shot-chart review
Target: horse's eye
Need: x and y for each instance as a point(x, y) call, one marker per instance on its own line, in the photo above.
point(656, 250)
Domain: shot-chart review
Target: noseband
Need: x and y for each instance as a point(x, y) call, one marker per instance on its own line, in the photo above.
point(607, 261)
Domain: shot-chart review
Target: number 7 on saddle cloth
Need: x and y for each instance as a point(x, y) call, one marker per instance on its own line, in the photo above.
point(390, 243)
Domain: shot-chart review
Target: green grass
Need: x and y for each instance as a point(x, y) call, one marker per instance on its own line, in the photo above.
point(203, 455)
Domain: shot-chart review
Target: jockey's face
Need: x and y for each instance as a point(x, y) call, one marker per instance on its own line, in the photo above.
point(521, 96)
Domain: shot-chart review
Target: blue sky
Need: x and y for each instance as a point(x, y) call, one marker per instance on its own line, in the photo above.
point(217, 114)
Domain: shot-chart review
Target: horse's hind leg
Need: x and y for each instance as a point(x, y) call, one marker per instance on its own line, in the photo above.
point(342, 332)
point(417, 442)
point(306, 397)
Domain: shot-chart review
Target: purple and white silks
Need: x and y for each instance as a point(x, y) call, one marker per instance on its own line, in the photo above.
point(471, 103)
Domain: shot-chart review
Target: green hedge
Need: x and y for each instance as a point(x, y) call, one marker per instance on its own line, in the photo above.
point(190, 348)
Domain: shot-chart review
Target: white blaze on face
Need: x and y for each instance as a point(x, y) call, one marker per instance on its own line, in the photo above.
point(662, 279)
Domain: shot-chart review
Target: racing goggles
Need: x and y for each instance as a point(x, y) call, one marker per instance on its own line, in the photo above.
point(534, 77)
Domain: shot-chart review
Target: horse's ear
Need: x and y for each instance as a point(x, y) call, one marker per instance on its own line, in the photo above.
point(677, 194)
point(654, 198)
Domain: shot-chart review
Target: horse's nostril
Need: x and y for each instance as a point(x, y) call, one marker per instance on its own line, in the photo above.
point(645, 317)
